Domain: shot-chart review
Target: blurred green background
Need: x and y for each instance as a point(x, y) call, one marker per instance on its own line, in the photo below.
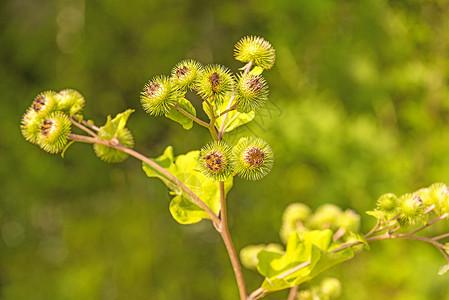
point(359, 108)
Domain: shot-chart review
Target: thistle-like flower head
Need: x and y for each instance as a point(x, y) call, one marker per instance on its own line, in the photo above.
point(31, 125)
point(215, 83)
point(70, 101)
point(438, 194)
point(255, 49)
point(158, 96)
point(45, 103)
point(330, 288)
point(215, 161)
point(326, 216)
point(412, 209)
point(53, 129)
point(253, 158)
point(252, 92)
point(185, 74)
point(389, 204)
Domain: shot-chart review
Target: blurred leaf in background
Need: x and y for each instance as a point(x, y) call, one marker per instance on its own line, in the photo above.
point(359, 107)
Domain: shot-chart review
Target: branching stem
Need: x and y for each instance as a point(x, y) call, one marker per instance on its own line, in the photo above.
point(231, 100)
point(220, 224)
point(211, 125)
point(114, 143)
point(293, 292)
point(82, 127)
point(234, 107)
point(187, 114)
point(226, 236)
point(261, 292)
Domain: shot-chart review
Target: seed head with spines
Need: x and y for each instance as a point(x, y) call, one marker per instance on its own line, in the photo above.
point(112, 155)
point(30, 125)
point(257, 50)
point(70, 101)
point(412, 209)
point(215, 161)
point(215, 83)
point(53, 130)
point(253, 158)
point(185, 74)
point(45, 103)
point(158, 96)
point(252, 92)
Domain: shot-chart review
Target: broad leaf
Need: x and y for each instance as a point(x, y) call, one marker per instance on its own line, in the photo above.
point(166, 160)
point(256, 71)
point(359, 237)
point(113, 126)
point(323, 261)
point(376, 213)
point(182, 119)
point(184, 211)
point(248, 255)
point(234, 118)
point(183, 167)
point(310, 250)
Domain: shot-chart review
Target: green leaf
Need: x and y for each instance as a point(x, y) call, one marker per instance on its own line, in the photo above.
point(376, 213)
point(309, 250)
point(185, 211)
point(176, 116)
point(359, 237)
point(113, 126)
point(183, 167)
point(256, 71)
point(248, 255)
point(234, 118)
point(165, 160)
point(324, 261)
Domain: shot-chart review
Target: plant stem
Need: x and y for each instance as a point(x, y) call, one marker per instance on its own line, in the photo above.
point(223, 123)
point(261, 292)
point(441, 237)
point(444, 216)
point(227, 110)
point(86, 123)
point(93, 134)
point(257, 294)
point(117, 145)
point(248, 67)
point(293, 292)
point(195, 119)
point(91, 126)
point(375, 227)
point(220, 224)
point(226, 236)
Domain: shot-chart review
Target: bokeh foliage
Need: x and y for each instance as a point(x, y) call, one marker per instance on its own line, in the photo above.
point(359, 107)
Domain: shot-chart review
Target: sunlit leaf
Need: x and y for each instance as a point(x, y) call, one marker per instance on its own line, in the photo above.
point(359, 237)
point(306, 256)
point(182, 119)
point(248, 255)
point(113, 126)
point(256, 71)
point(185, 211)
point(234, 118)
point(166, 161)
point(376, 213)
point(183, 167)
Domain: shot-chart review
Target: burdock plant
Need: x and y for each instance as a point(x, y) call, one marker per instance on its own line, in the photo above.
point(200, 179)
